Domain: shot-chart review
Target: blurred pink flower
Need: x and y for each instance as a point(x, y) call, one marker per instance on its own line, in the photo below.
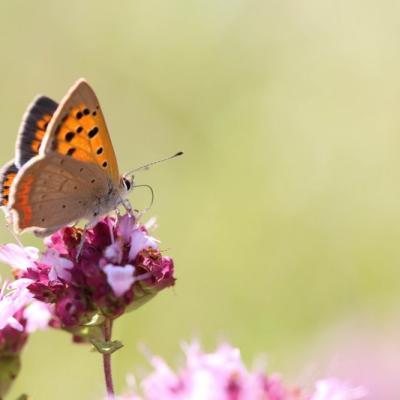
point(37, 315)
point(19, 258)
point(334, 389)
point(363, 351)
point(13, 298)
point(20, 315)
point(223, 376)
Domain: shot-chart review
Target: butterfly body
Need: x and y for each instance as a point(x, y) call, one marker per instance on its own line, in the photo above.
point(65, 168)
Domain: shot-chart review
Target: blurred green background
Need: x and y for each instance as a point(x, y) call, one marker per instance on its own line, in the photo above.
point(283, 216)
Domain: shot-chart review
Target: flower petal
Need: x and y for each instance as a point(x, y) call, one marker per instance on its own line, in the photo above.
point(38, 315)
point(139, 241)
point(18, 257)
point(126, 224)
point(114, 252)
point(59, 265)
point(120, 278)
point(17, 298)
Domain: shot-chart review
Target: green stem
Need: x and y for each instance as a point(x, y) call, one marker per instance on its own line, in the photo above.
point(107, 361)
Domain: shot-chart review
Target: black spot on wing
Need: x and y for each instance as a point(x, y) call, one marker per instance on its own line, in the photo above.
point(33, 126)
point(93, 132)
point(69, 136)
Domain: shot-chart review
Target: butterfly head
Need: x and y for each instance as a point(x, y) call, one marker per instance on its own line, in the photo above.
point(127, 183)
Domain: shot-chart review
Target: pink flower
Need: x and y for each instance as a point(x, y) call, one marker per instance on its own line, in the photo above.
point(12, 337)
point(221, 375)
point(38, 316)
point(59, 266)
point(333, 389)
point(19, 258)
point(210, 376)
point(362, 351)
point(139, 241)
point(119, 268)
point(13, 298)
point(20, 315)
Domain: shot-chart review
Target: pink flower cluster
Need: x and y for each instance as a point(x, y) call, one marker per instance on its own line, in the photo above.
point(19, 319)
point(119, 268)
point(223, 376)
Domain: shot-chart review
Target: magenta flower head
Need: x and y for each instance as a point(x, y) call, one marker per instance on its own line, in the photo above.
point(119, 268)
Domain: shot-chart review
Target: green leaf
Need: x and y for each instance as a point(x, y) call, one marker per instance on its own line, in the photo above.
point(104, 347)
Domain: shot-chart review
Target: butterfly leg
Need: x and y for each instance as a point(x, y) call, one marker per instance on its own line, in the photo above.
point(128, 207)
point(16, 238)
point(111, 229)
point(9, 226)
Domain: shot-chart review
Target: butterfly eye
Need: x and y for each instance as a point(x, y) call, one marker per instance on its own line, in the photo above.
point(127, 184)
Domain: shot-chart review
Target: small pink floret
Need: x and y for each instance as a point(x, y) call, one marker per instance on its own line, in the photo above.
point(59, 266)
point(120, 278)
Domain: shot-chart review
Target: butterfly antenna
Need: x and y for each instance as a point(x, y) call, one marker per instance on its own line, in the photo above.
point(147, 166)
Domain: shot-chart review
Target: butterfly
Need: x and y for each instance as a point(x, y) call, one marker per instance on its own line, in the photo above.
point(65, 168)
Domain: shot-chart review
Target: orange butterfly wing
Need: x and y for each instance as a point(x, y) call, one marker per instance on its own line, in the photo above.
point(7, 177)
point(78, 130)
